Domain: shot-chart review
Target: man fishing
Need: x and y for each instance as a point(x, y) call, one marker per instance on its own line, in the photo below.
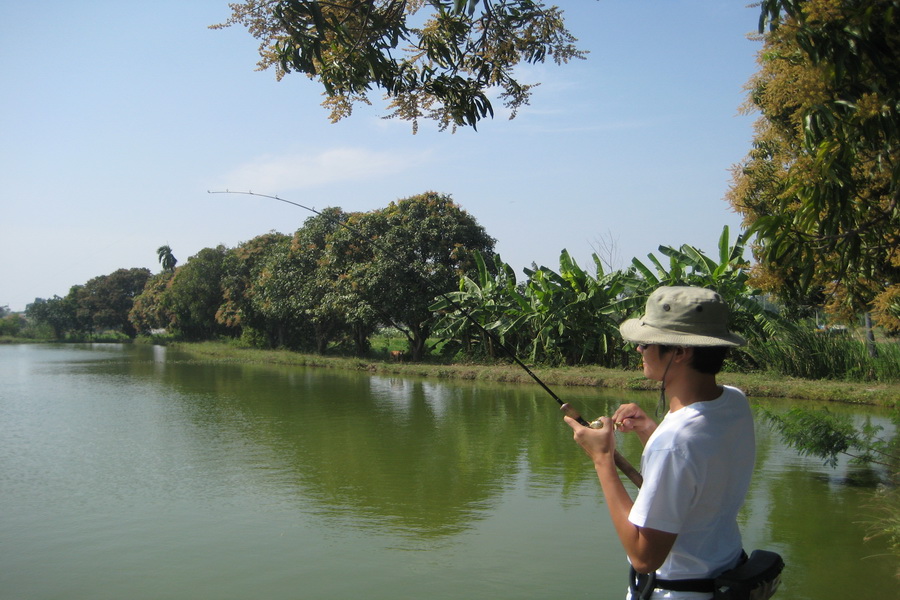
point(681, 530)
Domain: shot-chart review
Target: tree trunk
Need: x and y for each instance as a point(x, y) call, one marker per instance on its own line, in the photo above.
point(361, 339)
point(417, 341)
point(870, 337)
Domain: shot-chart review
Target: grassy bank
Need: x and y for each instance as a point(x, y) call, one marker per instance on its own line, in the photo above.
point(756, 385)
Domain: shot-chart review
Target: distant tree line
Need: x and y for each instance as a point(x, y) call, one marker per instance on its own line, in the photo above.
point(338, 279)
point(426, 268)
point(101, 304)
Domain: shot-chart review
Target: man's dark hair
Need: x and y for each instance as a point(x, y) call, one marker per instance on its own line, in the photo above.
point(707, 359)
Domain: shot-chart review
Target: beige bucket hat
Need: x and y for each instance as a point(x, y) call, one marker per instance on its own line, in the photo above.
point(682, 316)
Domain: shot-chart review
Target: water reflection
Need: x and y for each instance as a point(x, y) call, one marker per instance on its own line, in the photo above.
point(411, 455)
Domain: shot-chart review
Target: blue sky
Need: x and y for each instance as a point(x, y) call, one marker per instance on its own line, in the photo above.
point(116, 118)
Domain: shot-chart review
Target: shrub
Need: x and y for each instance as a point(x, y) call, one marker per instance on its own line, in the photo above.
point(826, 354)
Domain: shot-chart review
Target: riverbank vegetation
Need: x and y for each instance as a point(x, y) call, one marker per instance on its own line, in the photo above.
point(418, 286)
point(757, 385)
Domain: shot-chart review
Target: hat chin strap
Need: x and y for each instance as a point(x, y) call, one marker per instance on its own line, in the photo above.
point(660, 407)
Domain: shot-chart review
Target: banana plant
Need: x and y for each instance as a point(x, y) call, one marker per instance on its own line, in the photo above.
point(492, 299)
point(571, 308)
point(729, 275)
point(553, 317)
point(572, 316)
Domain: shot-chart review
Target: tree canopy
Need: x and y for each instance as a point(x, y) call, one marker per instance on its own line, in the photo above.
point(301, 290)
point(57, 313)
point(194, 295)
point(432, 59)
point(105, 301)
point(420, 247)
point(333, 283)
point(820, 186)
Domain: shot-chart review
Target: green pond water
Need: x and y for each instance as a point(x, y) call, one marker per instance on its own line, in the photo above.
point(136, 472)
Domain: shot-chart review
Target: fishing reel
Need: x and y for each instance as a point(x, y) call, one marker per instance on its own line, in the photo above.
point(598, 424)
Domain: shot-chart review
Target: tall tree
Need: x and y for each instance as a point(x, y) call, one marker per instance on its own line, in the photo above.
point(148, 311)
point(195, 295)
point(438, 66)
point(820, 186)
point(298, 287)
point(241, 269)
point(335, 307)
point(11, 324)
point(420, 246)
point(57, 313)
point(104, 302)
point(166, 259)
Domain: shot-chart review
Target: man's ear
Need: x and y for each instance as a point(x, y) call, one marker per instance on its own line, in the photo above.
point(684, 354)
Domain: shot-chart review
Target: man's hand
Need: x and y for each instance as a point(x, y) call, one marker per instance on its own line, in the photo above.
point(599, 444)
point(631, 418)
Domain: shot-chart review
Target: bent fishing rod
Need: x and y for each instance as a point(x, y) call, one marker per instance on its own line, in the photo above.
point(621, 462)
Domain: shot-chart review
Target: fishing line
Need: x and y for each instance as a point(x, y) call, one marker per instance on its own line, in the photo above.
point(620, 460)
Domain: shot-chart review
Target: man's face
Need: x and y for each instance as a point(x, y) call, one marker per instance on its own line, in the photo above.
point(654, 361)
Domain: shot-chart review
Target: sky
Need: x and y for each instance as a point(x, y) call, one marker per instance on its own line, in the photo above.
point(117, 119)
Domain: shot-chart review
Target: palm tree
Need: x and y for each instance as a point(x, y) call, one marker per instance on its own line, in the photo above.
point(166, 259)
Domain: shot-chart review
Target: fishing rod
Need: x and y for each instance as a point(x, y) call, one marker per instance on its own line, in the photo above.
point(621, 462)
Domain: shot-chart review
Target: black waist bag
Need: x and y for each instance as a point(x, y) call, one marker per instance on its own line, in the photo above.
point(756, 579)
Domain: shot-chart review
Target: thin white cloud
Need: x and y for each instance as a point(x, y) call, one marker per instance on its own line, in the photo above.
point(301, 171)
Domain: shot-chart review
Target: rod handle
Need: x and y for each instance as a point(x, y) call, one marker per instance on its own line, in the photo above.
point(621, 462)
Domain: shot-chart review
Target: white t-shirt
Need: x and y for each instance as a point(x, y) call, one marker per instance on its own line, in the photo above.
point(697, 467)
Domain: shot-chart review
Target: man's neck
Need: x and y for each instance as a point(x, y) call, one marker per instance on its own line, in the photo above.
point(690, 386)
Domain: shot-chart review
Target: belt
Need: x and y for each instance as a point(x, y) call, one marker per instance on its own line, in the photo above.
point(643, 584)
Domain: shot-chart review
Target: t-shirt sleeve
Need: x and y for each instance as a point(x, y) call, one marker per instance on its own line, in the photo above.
point(669, 490)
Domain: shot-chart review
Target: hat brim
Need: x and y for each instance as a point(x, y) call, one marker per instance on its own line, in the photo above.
point(637, 331)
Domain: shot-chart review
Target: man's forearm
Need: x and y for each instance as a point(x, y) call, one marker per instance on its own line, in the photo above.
point(646, 548)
